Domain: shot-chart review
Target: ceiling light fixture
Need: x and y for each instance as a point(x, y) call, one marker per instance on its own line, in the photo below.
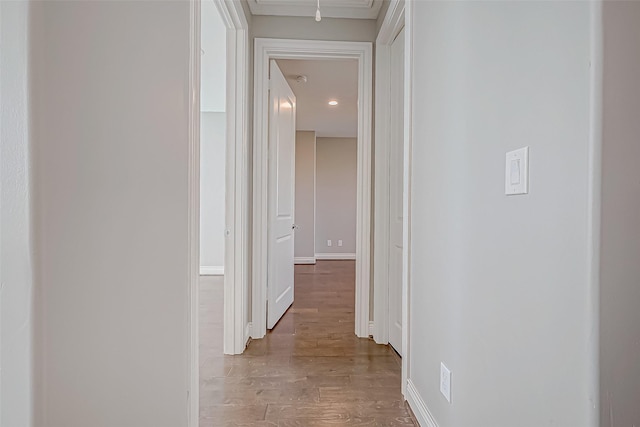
point(333, 103)
point(318, 16)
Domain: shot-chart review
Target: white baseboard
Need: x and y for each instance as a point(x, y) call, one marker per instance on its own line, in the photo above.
point(419, 407)
point(251, 331)
point(335, 256)
point(371, 328)
point(247, 334)
point(211, 271)
point(304, 260)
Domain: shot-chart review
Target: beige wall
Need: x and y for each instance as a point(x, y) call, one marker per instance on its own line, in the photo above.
point(336, 194)
point(620, 254)
point(305, 28)
point(305, 194)
point(500, 285)
point(381, 15)
point(110, 100)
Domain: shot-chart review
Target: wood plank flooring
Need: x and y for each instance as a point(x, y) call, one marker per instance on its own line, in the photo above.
point(310, 370)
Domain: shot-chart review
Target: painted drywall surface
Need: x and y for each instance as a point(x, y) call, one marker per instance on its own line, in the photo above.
point(247, 10)
point(499, 284)
point(16, 289)
point(213, 59)
point(620, 250)
point(305, 194)
point(336, 184)
point(212, 140)
point(382, 14)
point(111, 99)
point(212, 192)
point(305, 28)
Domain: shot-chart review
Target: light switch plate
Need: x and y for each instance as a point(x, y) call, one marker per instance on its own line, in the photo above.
point(516, 179)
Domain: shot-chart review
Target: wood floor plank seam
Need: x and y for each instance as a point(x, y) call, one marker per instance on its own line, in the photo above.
point(310, 370)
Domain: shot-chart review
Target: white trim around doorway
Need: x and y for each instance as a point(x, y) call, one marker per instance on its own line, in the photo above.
point(392, 25)
point(265, 50)
point(193, 213)
point(399, 15)
point(236, 252)
point(407, 196)
point(236, 188)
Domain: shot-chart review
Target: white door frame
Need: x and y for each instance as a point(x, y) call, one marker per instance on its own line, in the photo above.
point(408, 167)
point(193, 242)
point(392, 24)
point(266, 49)
point(236, 189)
point(398, 16)
point(236, 257)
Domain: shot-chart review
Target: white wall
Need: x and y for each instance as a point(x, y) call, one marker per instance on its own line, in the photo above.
point(212, 140)
point(16, 290)
point(213, 60)
point(111, 98)
point(620, 269)
point(305, 210)
point(212, 192)
point(500, 286)
point(336, 185)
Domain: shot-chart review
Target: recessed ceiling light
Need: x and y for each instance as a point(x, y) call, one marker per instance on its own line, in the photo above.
point(333, 103)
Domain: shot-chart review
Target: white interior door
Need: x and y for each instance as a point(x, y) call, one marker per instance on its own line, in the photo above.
point(395, 182)
point(282, 135)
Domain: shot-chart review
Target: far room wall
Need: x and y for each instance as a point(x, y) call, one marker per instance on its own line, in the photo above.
point(336, 196)
point(305, 209)
point(326, 184)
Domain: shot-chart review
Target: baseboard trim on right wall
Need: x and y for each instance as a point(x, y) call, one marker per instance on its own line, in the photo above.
point(211, 271)
point(336, 256)
point(419, 408)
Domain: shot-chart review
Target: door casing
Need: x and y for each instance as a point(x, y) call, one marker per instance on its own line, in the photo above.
point(398, 16)
point(396, 190)
point(265, 50)
point(236, 331)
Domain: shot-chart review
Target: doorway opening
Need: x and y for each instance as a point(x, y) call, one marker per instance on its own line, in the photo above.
point(225, 313)
point(213, 125)
point(245, 306)
point(212, 193)
point(325, 217)
point(267, 50)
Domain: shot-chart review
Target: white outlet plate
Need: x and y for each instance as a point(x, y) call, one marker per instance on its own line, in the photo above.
point(339, 242)
point(445, 382)
point(516, 177)
point(328, 242)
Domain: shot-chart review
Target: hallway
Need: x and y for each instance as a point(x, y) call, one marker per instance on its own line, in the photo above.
point(310, 370)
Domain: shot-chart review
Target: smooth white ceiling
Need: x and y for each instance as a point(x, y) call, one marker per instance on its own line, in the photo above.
point(326, 80)
point(358, 9)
